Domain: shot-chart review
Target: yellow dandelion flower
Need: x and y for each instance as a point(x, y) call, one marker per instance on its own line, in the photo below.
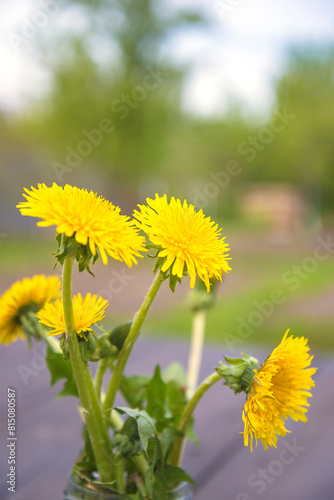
point(188, 240)
point(279, 390)
point(28, 294)
point(92, 220)
point(87, 311)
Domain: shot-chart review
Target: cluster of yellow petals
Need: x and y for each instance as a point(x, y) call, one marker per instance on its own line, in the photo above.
point(279, 390)
point(87, 311)
point(34, 292)
point(189, 240)
point(92, 220)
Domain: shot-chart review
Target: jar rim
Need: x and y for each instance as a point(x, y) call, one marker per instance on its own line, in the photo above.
point(110, 496)
point(83, 489)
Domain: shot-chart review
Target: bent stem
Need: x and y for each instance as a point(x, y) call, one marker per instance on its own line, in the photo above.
point(196, 349)
point(177, 450)
point(129, 343)
point(91, 409)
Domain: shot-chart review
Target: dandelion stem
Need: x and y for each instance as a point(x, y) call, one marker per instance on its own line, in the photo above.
point(177, 450)
point(120, 475)
point(100, 372)
point(133, 334)
point(196, 349)
point(92, 412)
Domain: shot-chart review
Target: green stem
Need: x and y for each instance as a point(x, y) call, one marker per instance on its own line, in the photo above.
point(177, 450)
point(140, 486)
point(129, 343)
point(91, 409)
point(100, 372)
point(120, 475)
point(141, 463)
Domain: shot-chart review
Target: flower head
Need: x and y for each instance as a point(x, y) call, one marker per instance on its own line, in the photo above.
point(279, 390)
point(188, 241)
point(87, 311)
point(92, 220)
point(30, 294)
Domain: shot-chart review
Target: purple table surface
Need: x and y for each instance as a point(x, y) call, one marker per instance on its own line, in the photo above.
point(48, 430)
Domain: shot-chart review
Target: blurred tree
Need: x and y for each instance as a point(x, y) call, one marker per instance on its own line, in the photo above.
point(303, 152)
point(115, 97)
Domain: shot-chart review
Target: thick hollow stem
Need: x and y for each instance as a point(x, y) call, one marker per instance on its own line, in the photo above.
point(129, 343)
point(177, 450)
point(120, 475)
point(196, 349)
point(91, 409)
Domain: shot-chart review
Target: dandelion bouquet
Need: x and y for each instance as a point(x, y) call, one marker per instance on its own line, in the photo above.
point(135, 451)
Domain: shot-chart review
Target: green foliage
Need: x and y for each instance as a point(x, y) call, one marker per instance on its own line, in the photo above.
point(152, 426)
point(159, 485)
point(156, 392)
point(145, 425)
point(59, 369)
point(133, 389)
point(126, 441)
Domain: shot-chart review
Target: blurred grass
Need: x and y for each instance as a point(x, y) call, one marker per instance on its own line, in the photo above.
point(262, 273)
point(255, 274)
point(23, 252)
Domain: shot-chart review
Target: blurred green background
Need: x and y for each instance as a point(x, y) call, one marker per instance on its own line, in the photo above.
point(111, 115)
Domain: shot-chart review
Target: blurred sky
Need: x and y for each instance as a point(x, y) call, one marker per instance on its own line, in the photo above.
point(238, 58)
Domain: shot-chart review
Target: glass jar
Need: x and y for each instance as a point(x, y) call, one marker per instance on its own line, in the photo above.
point(74, 491)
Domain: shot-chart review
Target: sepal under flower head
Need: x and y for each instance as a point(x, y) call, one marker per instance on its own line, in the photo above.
point(239, 372)
point(83, 253)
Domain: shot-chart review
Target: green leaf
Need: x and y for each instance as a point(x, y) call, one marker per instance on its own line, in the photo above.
point(149, 479)
point(161, 489)
point(59, 369)
point(175, 371)
point(156, 396)
point(167, 437)
point(146, 427)
point(134, 390)
point(134, 496)
point(69, 389)
point(174, 476)
point(176, 397)
point(190, 433)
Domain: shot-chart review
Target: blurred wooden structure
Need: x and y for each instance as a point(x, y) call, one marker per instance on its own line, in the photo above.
point(280, 206)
